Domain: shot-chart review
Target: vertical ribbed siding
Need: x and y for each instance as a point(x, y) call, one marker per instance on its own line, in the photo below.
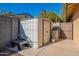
point(29, 28)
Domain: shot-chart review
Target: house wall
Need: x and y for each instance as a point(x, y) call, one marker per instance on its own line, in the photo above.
point(75, 19)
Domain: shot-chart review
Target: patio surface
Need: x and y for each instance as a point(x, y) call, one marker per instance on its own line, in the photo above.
point(61, 48)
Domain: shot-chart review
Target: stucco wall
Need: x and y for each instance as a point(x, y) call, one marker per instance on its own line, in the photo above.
point(75, 19)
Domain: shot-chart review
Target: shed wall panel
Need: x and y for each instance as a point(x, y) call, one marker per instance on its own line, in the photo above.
point(33, 29)
point(29, 28)
point(40, 33)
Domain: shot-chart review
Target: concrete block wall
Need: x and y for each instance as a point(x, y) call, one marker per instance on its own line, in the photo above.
point(15, 28)
point(65, 30)
point(5, 31)
point(8, 30)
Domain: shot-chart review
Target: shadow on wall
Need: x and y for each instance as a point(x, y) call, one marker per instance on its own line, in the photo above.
point(58, 33)
point(62, 34)
point(22, 32)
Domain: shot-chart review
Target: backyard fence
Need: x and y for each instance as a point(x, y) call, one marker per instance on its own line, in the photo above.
point(65, 29)
point(8, 30)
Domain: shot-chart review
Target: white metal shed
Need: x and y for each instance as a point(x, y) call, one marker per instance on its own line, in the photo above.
point(37, 30)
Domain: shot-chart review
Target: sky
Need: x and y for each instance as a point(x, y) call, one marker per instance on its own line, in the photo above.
point(31, 8)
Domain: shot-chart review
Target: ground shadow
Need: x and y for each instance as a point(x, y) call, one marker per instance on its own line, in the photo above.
point(62, 34)
point(58, 34)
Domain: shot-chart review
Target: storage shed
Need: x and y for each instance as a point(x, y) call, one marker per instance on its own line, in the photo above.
point(8, 30)
point(36, 30)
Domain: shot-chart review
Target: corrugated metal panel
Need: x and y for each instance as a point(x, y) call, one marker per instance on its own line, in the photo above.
point(29, 28)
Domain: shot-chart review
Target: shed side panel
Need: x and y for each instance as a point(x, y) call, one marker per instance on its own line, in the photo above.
point(29, 28)
point(40, 33)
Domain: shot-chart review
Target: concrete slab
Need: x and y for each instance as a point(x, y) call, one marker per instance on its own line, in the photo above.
point(61, 48)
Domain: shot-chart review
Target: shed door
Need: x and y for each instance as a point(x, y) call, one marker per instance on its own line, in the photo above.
point(46, 31)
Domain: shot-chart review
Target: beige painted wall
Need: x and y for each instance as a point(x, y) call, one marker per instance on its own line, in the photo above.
point(75, 19)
